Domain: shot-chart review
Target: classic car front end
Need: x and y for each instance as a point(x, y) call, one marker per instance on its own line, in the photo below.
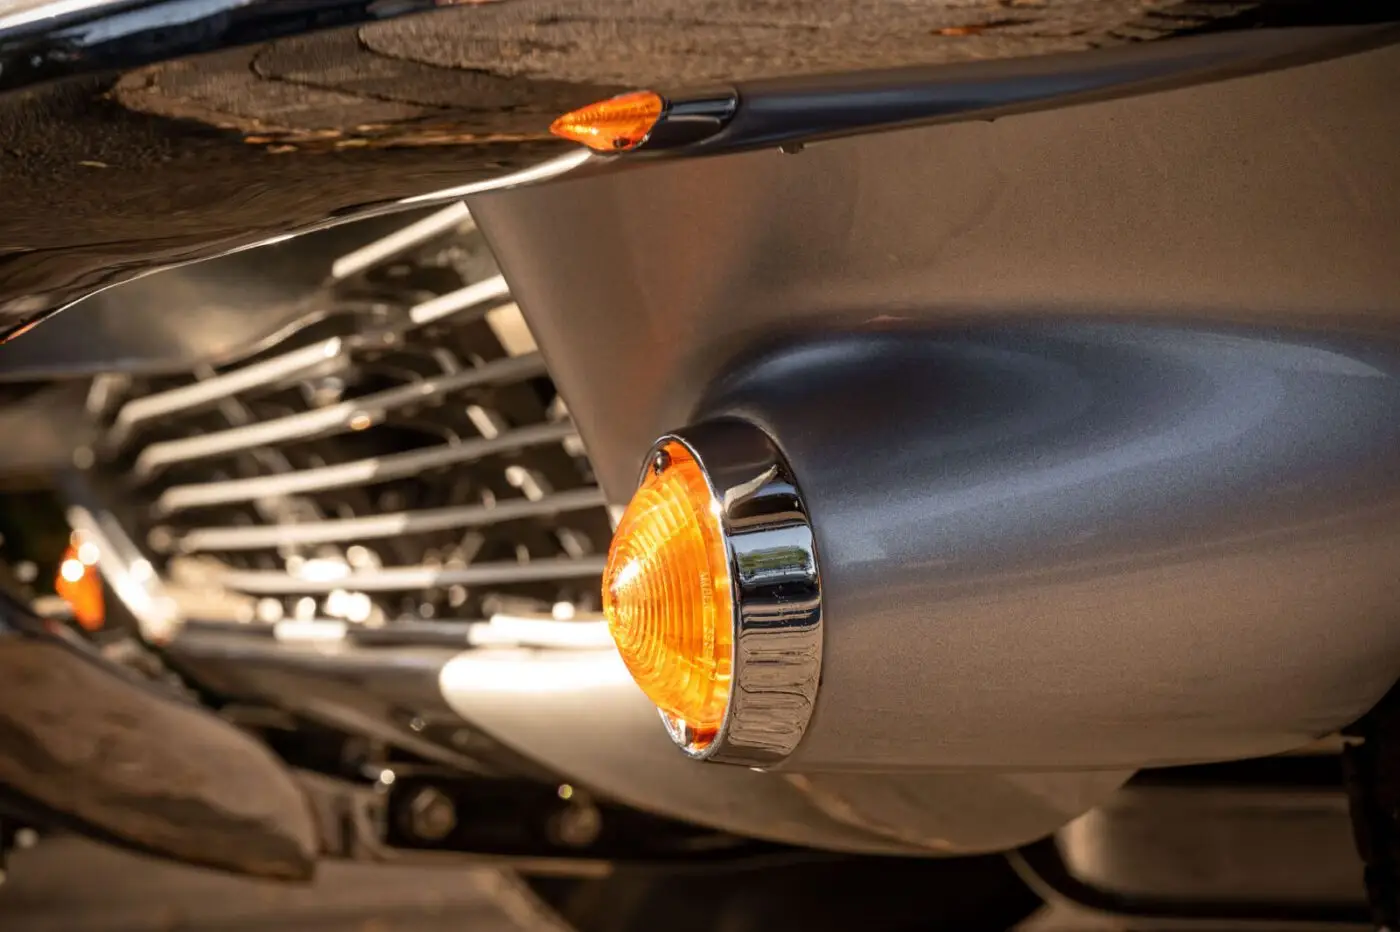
point(911, 462)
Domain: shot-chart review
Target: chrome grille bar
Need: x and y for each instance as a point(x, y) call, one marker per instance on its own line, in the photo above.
point(386, 525)
point(219, 387)
point(488, 289)
point(359, 472)
point(275, 446)
point(401, 241)
point(338, 417)
point(406, 578)
point(287, 365)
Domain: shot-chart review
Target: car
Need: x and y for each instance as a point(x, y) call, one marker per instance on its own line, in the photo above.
point(734, 464)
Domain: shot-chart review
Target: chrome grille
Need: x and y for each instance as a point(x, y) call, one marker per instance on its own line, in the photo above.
point(399, 454)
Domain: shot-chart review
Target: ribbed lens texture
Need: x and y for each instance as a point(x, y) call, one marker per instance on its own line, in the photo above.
point(613, 125)
point(666, 594)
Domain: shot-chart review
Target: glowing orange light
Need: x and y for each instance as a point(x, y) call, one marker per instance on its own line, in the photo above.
point(80, 585)
point(614, 125)
point(19, 331)
point(666, 594)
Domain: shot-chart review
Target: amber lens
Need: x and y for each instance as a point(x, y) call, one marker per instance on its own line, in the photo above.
point(666, 594)
point(79, 584)
point(613, 125)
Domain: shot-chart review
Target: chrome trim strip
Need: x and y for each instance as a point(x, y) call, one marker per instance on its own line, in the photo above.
point(35, 12)
point(332, 419)
point(539, 173)
point(222, 386)
point(542, 172)
point(274, 582)
point(400, 241)
point(385, 525)
point(360, 472)
point(776, 589)
point(488, 289)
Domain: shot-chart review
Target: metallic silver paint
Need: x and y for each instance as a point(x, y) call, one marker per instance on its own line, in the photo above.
point(1269, 200)
point(1079, 580)
point(579, 714)
point(1087, 546)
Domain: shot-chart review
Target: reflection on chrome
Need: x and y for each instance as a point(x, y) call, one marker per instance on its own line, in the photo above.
point(533, 672)
point(776, 592)
point(26, 12)
point(130, 575)
point(542, 172)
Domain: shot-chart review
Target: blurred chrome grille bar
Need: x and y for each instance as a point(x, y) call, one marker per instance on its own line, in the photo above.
point(214, 389)
point(386, 525)
point(407, 578)
point(489, 289)
point(338, 417)
point(359, 472)
point(402, 241)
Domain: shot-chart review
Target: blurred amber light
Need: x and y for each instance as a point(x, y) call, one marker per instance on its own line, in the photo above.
point(666, 594)
point(80, 585)
point(614, 125)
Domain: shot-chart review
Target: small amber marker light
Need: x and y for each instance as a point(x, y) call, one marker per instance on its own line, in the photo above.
point(667, 597)
point(80, 585)
point(618, 124)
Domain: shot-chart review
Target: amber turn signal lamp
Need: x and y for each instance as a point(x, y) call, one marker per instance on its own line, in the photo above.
point(80, 585)
point(712, 594)
point(614, 125)
point(666, 594)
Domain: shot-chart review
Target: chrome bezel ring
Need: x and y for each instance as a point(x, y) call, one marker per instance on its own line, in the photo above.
point(775, 585)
